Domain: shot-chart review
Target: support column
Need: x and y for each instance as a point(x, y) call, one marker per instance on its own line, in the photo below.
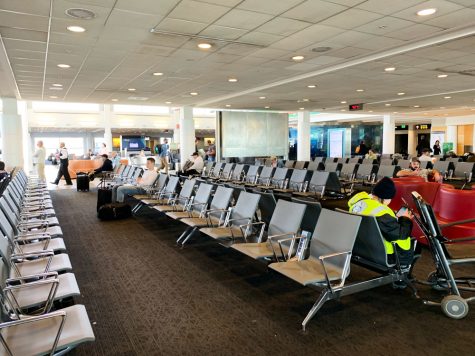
point(303, 136)
point(411, 140)
point(12, 135)
point(452, 136)
point(107, 115)
point(187, 133)
point(389, 134)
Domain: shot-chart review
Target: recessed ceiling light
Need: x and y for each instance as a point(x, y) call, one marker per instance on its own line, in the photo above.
point(342, 110)
point(194, 93)
point(370, 111)
point(387, 104)
point(447, 97)
point(53, 97)
point(228, 106)
point(417, 106)
point(266, 107)
point(472, 109)
point(57, 85)
point(311, 86)
point(359, 90)
point(401, 93)
point(442, 107)
point(426, 113)
point(343, 102)
point(168, 102)
point(157, 73)
point(262, 97)
point(204, 45)
point(445, 114)
point(301, 108)
point(390, 69)
point(304, 100)
point(114, 99)
point(426, 12)
point(131, 89)
point(442, 76)
point(55, 88)
point(76, 29)
point(232, 80)
point(395, 112)
point(298, 58)
point(64, 66)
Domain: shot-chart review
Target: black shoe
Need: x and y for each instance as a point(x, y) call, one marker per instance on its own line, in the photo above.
point(54, 183)
point(69, 183)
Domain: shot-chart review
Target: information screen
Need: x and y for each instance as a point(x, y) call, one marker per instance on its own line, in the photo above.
point(335, 143)
point(133, 143)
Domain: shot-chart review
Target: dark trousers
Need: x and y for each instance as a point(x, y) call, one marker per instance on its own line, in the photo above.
point(189, 172)
point(63, 171)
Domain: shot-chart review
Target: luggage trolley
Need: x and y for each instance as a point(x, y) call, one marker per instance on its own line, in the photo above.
point(446, 253)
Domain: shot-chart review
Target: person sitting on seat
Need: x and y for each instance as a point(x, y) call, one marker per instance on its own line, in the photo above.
point(425, 156)
point(430, 175)
point(106, 167)
point(372, 154)
point(119, 192)
point(3, 172)
point(194, 166)
point(394, 228)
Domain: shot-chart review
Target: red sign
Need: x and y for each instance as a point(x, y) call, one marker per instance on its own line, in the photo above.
point(354, 107)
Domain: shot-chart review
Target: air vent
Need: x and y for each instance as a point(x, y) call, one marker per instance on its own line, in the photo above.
point(321, 49)
point(138, 98)
point(82, 14)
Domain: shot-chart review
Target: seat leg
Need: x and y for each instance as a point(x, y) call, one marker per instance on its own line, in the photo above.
point(192, 232)
point(324, 296)
point(184, 234)
point(137, 207)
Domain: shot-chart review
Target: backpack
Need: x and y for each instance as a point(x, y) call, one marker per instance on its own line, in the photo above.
point(158, 149)
point(114, 211)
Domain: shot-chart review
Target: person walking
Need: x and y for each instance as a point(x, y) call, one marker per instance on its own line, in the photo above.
point(211, 153)
point(163, 156)
point(63, 165)
point(39, 158)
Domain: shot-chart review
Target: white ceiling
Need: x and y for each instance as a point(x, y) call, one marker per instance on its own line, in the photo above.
point(253, 40)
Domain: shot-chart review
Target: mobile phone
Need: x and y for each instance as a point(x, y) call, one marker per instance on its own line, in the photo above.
point(402, 210)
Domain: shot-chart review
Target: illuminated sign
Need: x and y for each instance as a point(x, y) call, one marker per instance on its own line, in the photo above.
point(354, 107)
point(422, 127)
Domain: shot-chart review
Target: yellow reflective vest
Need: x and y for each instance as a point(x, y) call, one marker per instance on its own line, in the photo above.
point(363, 204)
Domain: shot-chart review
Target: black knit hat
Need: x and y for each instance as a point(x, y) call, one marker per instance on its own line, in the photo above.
point(385, 189)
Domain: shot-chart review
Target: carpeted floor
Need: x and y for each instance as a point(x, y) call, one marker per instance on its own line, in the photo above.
point(145, 296)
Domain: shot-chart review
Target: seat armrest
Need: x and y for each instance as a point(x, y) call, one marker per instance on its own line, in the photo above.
point(271, 240)
point(345, 270)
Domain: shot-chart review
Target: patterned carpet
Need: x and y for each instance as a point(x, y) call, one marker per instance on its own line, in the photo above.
point(145, 296)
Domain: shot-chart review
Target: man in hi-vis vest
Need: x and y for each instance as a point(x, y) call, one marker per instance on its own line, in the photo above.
point(395, 228)
point(63, 165)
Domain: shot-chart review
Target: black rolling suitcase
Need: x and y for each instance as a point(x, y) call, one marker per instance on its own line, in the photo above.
point(104, 196)
point(82, 182)
point(115, 211)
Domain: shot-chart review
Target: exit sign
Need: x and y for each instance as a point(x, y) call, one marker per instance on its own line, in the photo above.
point(354, 107)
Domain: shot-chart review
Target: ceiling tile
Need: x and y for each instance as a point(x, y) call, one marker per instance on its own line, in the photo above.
point(181, 26)
point(228, 33)
point(387, 7)
point(384, 25)
point(283, 26)
point(414, 31)
point(351, 18)
point(453, 19)
point(268, 6)
point(27, 22)
point(308, 36)
point(243, 19)
point(147, 6)
point(132, 20)
point(443, 7)
point(259, 38)
point(314, 11)
point(198, 11)
point(37, 7)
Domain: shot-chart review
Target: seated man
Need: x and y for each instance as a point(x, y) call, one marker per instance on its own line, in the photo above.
point(106, 167)
point(394, 228)
point(115, 159)
point(119, 192)
point(430, 175)
point(193, 166)
point(425, 156)
point(3, 172)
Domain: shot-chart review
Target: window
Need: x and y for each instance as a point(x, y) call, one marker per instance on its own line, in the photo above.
point(46, 106)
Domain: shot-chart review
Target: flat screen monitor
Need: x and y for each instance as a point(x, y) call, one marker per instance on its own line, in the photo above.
point(133, 143)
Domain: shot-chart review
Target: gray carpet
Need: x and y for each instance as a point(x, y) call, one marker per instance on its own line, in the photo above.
point(145, 296)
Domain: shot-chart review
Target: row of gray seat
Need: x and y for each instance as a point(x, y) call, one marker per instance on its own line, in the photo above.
point(35, 275)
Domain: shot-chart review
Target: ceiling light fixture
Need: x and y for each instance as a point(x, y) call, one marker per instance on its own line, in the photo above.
point(266, 107)
point(417, 106)
point(131, 89)
point(228, 105)
point(53, 97)
point(426, 12)
point(168, 102)
point(389, 69)
point(311, 86)
point(232, 80)
point(204, 45)
point(262, 97)
point(301, 108)
point(370, 111)
point(194, 93)
point(304, 100)
point(401, 93)
point(298, 58)
point(387, 104)
point(157, 73)
point(342, 110)
point(77, 29)
point(114, 99)
point(360, 90)
point(64, 66)
point(343, 102)
point(395, 112)
point(447, 97)
point(57, 85)
point(442, 76)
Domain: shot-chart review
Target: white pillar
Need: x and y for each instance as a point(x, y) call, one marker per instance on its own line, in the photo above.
point(452, 136)
point(411, 140)
point(303, 136)
point(12, 135)
point(187, 133)
point(107, 116)
point(389, 134)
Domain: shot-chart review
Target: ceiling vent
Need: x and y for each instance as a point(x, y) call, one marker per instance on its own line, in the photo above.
point(321, 49)
point(82, 14)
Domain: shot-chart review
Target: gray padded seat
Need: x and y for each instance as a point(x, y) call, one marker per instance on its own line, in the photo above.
point(216, 171)
point(239, 172)
point(242, 213)
point(404, 163)
point(300, 164)
point(333, 167)
point(280, 174)
point(441, 166)
point(265, 175)
point(386, 171)
point(289, 164)
point(464, 169)
point(218, 209)
point(285, 223)
point(386, 162)
point(166, 192)
point(312, 166)
point(181, 200)
point(348, 171)
point(296, 181)
point(199, 203)
point(365, 171)
point(41, 332)
point(251, 174)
